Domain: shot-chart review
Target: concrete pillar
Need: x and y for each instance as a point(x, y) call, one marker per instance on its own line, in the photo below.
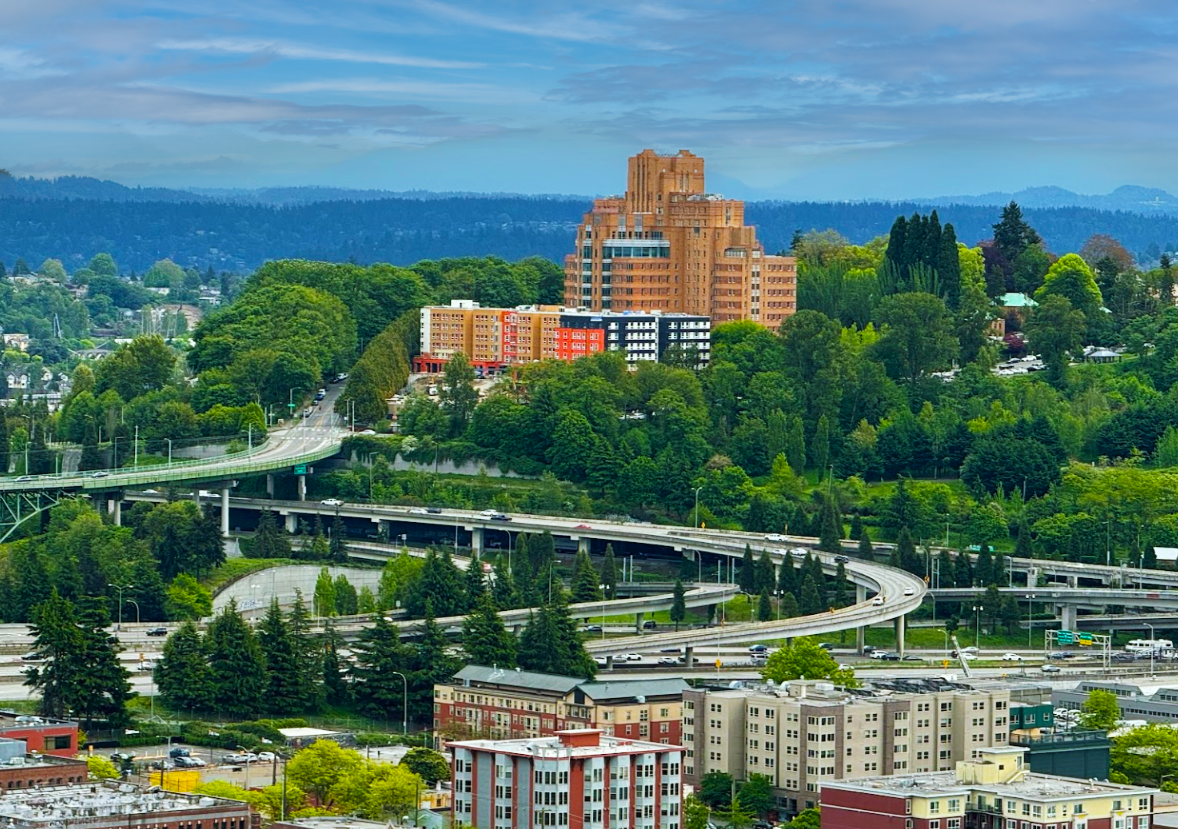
point(302, 487)
point(689, 657)
point(292, 523)
point(476, 542)
point(116, 510)
point(638, 617)
point(582, 545)
point(270, 484)
point(1067, 613)
point(900, 636)
point(1073, 581)
point(224, 512)
point(860, 632)
point(196, 496)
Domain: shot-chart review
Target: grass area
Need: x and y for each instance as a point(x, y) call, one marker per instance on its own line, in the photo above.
point(236, 568)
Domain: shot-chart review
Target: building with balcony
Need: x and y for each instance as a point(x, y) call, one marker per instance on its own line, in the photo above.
point(804, 734)
point(576, 778)
point(669, 245)
point(506, 704)
point(996, 790)
point(493, 339)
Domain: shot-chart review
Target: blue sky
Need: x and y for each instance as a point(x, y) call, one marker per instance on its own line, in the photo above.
point(813, 99)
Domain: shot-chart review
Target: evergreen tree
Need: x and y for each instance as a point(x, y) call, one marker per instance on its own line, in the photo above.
point(795, 445)
point(909, 558)
point(820, 446)
point(90, 459)
point(609, 573)
point(764, 607)
point(485, 639)
point(503, 589)
point(1012, 234)
point(270, 540)
point(182, 673)
point(766, 578)
point(678, 604)
point(104, 686)
point(856, 527)
point(896, 243)
point(40, 458)
point(284, 692)
point(550, 643)
point(840, 585)
point(307, 654)
point(476, 582)
point(866, 551)
point(948, 265)
point(831, 532)
point(440, 583)
point(1149, 559)
point(787, 581)
point(811, 599)
point(318, 548)
point(748, 572)
point(537, 642)
point(236, 664)
point(346, 601)
point(789, 606)
point(541, 551)
point(431, 663)
point(324, 601)
point(337, 548)
point(1022, 544)
point(945, 573)
point(335, 685)
point(983, 568)
point(585, 585)
point(5, 443)
point(1001, 574)
point(962, 570)
point(379, 657)
point(575, 660)
point(57, 638)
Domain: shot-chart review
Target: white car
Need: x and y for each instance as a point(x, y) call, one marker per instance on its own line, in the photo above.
point(799, 552)
point(418, 511)
point(968, 657)
point(487, 513)
point(775, 537)
point(632, 657)
point(267, 756)
point(600, 660)
point(1011, 657)
point(878, 601)
point(908, 591)
point(332, 502)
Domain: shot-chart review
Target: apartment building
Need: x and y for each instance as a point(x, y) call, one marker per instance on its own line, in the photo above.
point(494, 339)
point(669, 245)
point(995, 790)
point(803, 734)
point(507, 704)
point(579, 778)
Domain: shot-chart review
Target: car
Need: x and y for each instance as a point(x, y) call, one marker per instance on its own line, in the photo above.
point(841, 559)
point(487, 513)
point(307, 411)
point(240, 758)
point(868, 650)
point(319, 396)
point(633, 657)
point(1049, 669)
point(913, 658)
point(878, 601)
point(32, 656)
point(332, 502)
point(368, 432)
point(157, 631)
point(418, 511)
point(592, 628)
point(434, 510)
point(971, 649)
point(668, 660)
point(650, 624)
point(880, 654)
point(799, 552)
point(600, 660)
point(188, 762)
point(179, 751)
point(775, 537)
point(1055, 655)
point(23, 478)
point(758, 648)
point(891, 657)
point(145, 667)
point(826, 646)
point(1011, 657)
point(100, 474)
point(267, 757)
point(967, 656)
point(499, 516)
point(909, 591)
point(1121, 656)
point(582, 527)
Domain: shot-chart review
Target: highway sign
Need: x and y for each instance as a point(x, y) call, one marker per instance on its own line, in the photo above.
point(301, 469)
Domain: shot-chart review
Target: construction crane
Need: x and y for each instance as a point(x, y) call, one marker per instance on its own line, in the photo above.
point(961, 657)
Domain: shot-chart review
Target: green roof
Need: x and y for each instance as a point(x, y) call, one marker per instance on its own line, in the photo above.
point(1014, 300)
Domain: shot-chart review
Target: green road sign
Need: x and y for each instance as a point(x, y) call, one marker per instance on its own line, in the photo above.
point(1065, 637)
point(301, 470)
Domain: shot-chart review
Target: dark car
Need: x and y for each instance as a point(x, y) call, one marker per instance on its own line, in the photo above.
point(500, 517)
point(593, 628)
point(868, 649)
point(649, 624)
point(913, 658)
point(434, 510)
point(179, 751)
point(891, 657)
point(841, 559)
point(826, 646)
point(159, 631)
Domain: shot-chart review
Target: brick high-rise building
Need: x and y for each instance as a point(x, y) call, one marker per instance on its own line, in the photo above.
point(668, 245)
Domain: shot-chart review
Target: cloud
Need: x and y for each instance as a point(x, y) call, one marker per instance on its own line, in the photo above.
point(295, 51)
point(473, 92)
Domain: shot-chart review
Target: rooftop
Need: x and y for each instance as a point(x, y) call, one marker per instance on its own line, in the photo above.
point(531, 680)
point(1029, 786)
point(47, 806)
point(820, 692)
point(11, 719)
point(585, 742)
point(632, 688)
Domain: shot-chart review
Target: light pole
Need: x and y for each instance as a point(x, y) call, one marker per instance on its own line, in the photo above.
point(602, 587)
point(1108, 542)
point(977, 630)
point(404, 703)
point(132, 601)
point(694, 526)
point(1152, 641)
point(1030, 598)
point(120, 588)
point(169, 440)
point(28, 439)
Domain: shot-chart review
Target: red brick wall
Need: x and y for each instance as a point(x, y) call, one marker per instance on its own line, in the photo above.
point(42, 737)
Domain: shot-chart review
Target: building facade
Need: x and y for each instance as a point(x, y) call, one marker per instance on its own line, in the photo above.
point(995, 791)
point(804, 734)
point(111, 805)
point(511, 704)
point(1151, 703)
point(21, 769)
point(668, 245)
point(581, 778)
point(42, 734)
point(494, 339)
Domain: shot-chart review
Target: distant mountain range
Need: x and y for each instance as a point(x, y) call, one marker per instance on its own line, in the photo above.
point(1129, 198)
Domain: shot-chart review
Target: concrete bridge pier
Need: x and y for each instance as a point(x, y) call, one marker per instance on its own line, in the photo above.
point(1067, 616)
point(302, 479)
point(292, 523)
point(638, 620)
point(900, 635)
point(1073, 581)
point(689, 657)
point(476, 541)
point(114, 506)
point(224, 512)
point(860, 632)
point(270, 484)
point(583, 545)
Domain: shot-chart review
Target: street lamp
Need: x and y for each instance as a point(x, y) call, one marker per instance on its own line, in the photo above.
point(132, 601)
point(1152, 642)
point(120, 588)
point(1030, 598)
point(602, 588)
point(694, 526)
point(404, 703)
point(977, 631)
point(169, 440)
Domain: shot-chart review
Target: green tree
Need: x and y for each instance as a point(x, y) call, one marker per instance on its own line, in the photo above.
point(802, 657)
point(807, 819)
point(715, 789)
point(182, 673)
point(1056, 329)
point(346, 600)
point(678, 604)
point(916, 336)
point(831, 532)
point(609, 573)
point(1009, 613)
point(865, 550)
point(337, 547)
point(379, 657)
point(284, 691)
point(485, 638)
point(748, 572)
point(696, 814)
point(324, 601)
point(811, 596)
point(1145, 754)
point(457, 392)
point(270, 540)
point(1100, 711)
point(335, 684)
point(320, 767)
point(1012, 234)
point(764, 607)
point(1071, 278)
point(141, 366)
point(795, 445)
point(756, 794)
point(237, 665)
point(431, 766)
point(820, 444)
point(187, 599)
point(586, 587)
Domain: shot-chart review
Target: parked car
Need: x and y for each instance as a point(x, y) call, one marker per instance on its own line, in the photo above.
point(267, 757)
point(157, 631)
point(189, 762)
point(179, 751)
point(1011, 657)
point(1049, 669)
point(332, 502)
point(240, 758)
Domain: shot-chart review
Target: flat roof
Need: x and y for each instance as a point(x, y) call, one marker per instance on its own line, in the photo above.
point(515, 678)
point(553, 748)
point(1031, 785)
point(90, 801)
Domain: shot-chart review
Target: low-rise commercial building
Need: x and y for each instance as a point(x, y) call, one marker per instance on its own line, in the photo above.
point(505, 704)
point(493, 339)
point(42, 734)
point(994, 791)
point(1153, 703)
point(577, 778)
point(803, 734)
point(20, 769)
point(113, 805)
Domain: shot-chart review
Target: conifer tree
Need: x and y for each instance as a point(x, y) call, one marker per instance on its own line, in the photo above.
point(1022, 544)
point(324, 601)
point(104, 686)
point(541, 551)
point(678, 604)
point(948, 267)
point(586, 587)
point(831, 532)
point(431, 663)
point(764, 606)
point(575, 660)
point(820, 446)
point(789, 606)
point(609, 573)
point(58, 640)
point(840, 585)
point(909, 559)
point(270, 540)
point(40, 458)
point(866, 551)
point(379, 656)
point(766, 578)
point(237, 665)
point(5, 442)
point(962, 570)
point(284, 692)
point(811, 599)
point(748, 572)
point(787, 581)
point(308, 654)
point(182, 673)
point(983, 568)
point(346, 601)
point(485, 639)
point(537, 642)
point(795, 445)
point(440, 582)
point(337, 548)
point(90, 458)
point(475, 582)
point(336, 690)
point(1001, 575)
point(856, 527)
point(503, 589)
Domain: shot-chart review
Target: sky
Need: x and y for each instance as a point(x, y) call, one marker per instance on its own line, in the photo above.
point(795, 99)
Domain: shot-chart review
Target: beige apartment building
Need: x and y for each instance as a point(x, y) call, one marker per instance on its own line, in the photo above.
point(669, 245)
point(805, 733)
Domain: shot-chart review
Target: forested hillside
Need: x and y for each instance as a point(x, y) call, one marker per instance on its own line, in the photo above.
point(240, 237)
